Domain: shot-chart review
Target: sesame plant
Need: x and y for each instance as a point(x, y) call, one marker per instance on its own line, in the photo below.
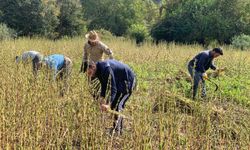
point(161, 114)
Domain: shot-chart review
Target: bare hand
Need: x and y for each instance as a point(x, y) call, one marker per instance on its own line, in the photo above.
point(102, 100)
point(104, 107)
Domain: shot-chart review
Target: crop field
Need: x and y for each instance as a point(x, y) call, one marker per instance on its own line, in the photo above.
point(160, 113)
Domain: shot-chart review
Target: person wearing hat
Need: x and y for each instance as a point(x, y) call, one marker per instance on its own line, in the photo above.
point(121, 81)
point(33, 56)
point(61, 67)
point(198, 66)
point(93, 50)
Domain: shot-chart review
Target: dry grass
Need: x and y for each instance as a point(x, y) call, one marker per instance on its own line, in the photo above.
point(34, 116)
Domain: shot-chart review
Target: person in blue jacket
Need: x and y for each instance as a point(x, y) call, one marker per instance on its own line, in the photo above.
point(122, 82)
point(198, 66)
point(60, 66)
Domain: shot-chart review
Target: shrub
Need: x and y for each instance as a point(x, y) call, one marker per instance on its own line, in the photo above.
point(6, 33)
point(241, 41)
point(139, 32)
point(104, 34)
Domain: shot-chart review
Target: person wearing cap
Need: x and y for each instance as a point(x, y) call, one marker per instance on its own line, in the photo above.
point(117, 77)
point(61, 67)
point(33, 56)
point(93, 50)
point(198, 66)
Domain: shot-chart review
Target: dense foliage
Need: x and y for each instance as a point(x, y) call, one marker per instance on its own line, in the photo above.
point(185, 21)
point(203, 21)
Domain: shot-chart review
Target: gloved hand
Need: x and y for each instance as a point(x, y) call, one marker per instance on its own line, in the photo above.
point(81, 69)
point(204, 76)
point(84, 67)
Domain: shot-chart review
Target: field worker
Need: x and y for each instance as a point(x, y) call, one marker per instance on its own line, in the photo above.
point(33, 56)
point(59, 64)
point(61, 67)
point(122, 82)
point(93, 50)
point(198, 66)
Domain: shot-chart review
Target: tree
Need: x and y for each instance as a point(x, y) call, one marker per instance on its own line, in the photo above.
point(202, 21)
point(116, 16)
point(50, 18)
point(23, 16)
point(70, 18)
point(29, 17)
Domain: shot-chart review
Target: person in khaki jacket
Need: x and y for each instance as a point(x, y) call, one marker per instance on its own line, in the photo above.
point(93, 50)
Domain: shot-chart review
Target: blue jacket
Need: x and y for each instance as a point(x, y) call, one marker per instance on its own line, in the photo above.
point(203, 61)
point(55, 62)
point(119, 74)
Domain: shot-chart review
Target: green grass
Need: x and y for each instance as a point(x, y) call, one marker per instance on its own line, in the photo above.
point(34, 116)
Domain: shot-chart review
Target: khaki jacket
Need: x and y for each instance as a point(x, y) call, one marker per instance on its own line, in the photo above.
point(95, 53)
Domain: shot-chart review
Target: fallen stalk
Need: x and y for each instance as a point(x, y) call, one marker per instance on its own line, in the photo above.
point(118, 113)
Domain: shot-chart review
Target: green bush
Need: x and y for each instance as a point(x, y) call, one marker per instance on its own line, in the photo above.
point(242, 41)
point(104, 34)
point(5, 32)
point(138, 32)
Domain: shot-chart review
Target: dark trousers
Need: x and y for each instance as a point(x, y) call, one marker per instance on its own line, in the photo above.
point(35, 64)
point(197, 78)
point(119, 105)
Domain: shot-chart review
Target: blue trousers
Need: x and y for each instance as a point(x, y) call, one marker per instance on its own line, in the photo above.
point(197, 78)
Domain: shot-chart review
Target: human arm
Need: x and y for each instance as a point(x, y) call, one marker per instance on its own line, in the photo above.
point(212, 66)
point(54, 70)
point(103, 105)
point(108, 79)
point(107, 50)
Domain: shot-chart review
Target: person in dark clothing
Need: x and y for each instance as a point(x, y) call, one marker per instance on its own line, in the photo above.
point(198, 66)
point(122, 80)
